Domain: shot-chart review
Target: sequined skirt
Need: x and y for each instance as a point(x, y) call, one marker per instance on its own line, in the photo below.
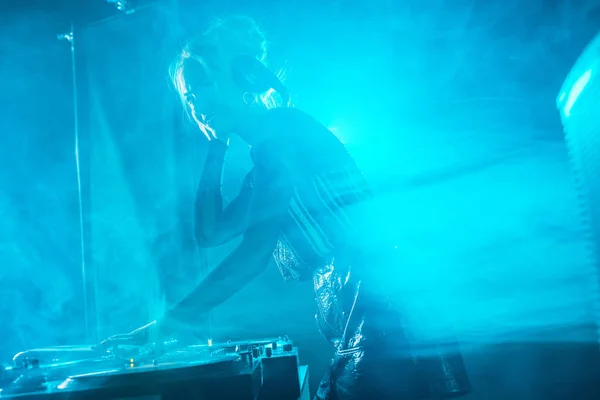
point(375, 354)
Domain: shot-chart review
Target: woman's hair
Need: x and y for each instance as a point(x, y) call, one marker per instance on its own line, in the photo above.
point(225, 38)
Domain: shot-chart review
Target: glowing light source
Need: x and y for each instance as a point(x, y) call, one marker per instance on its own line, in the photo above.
point(576, 91)
point(123, 5)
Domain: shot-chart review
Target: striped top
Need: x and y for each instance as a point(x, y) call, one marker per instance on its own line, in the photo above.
point(324, 189)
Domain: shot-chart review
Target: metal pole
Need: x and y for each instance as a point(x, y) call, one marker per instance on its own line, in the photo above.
point(89, 335)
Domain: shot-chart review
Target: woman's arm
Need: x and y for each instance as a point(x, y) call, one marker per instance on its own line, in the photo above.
point(267, 212)
point(213, 224)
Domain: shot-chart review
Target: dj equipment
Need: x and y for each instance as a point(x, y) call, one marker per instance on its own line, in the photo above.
point(253, 370)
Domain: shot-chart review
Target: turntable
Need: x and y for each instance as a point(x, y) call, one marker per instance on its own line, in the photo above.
point(254, 370)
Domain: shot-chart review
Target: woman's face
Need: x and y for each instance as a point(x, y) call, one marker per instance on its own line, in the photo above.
point(214, 99)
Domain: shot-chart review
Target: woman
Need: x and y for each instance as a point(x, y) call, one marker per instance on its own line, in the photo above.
point(305, 201)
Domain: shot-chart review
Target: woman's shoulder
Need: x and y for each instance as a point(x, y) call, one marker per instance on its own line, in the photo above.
point(293, 120)
point(297, 137)
point(292, 113)
point(298, 128)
